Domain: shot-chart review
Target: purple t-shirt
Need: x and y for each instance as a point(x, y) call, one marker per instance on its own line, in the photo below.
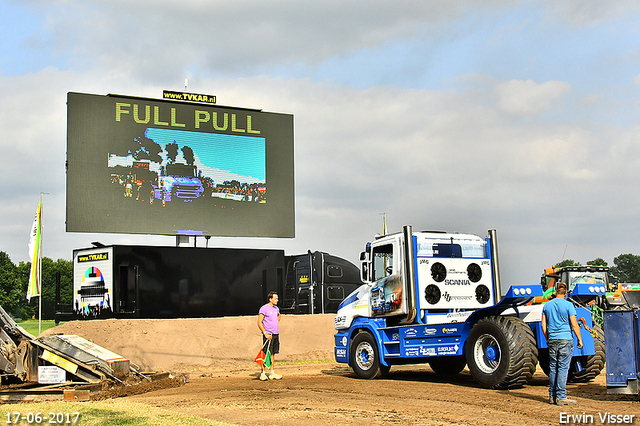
point(270, 321)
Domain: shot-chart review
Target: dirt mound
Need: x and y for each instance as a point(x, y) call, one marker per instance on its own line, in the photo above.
point(204, 343)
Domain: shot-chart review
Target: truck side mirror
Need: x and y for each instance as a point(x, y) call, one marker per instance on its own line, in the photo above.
point(364, 272)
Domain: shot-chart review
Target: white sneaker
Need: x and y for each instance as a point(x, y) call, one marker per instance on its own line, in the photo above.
point(263, 376)
point(274, 376)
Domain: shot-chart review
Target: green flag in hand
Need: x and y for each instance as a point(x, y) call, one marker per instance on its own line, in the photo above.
point(267, 359)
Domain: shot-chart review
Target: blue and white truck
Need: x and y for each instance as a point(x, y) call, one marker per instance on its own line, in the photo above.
point(178, 180)
point(443, 306)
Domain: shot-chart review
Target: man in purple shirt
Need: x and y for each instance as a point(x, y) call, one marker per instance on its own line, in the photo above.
point(268, 319)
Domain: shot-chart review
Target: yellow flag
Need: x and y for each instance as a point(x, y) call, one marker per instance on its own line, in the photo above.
point(34, 253)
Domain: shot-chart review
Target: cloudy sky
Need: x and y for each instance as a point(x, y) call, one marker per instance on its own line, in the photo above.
point(520, 116)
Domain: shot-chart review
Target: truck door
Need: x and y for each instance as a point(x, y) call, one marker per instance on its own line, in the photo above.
point(389, 295)
point(128, 290)
point(297, 285)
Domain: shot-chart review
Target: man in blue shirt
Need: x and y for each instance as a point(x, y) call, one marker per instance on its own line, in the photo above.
point(558, 319)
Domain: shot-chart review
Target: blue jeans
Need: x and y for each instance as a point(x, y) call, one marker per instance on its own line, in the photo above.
point(560, 352)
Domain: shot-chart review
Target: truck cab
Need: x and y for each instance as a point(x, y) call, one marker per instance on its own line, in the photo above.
point(178, 180)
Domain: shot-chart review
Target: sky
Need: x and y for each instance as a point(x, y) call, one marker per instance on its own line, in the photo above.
point(465, 116)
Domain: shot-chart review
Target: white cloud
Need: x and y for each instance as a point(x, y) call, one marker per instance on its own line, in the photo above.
point(526, 97)
point(590, 12)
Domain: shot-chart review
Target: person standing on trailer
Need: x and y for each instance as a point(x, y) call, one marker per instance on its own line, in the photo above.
point(558, 319)
point(268, 323)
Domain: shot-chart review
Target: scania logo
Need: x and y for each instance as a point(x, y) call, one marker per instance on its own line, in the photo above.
point(457, 282)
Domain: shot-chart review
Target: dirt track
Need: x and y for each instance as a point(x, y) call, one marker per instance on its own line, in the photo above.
point(329, 393)
point(224, 385)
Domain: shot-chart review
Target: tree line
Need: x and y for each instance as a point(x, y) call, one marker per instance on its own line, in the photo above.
point(14, 280)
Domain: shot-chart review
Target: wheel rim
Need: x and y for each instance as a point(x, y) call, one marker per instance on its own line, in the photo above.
point(486, 353)
point(365, 356)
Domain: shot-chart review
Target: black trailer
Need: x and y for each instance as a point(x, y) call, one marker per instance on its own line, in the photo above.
point(188, 282)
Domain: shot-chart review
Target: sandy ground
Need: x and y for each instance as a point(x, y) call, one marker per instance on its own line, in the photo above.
point(203, 343)
point(218, 355)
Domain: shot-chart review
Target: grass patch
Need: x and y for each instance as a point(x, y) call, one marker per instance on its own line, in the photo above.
point(116, 412)
point(31, 326)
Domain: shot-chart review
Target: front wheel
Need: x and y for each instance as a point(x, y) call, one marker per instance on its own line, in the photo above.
point(501, 352)
point(364, 358)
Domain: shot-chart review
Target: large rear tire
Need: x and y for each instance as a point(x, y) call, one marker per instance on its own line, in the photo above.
point(364, 357)
point(501, 352)
point(448, 365)
point(592, 365)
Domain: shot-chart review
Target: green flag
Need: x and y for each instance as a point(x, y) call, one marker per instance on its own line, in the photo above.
point(267, 358)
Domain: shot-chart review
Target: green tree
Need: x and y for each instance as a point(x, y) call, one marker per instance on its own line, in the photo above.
point(598, 261)
point(10, 285)
point(627, 268)
point(14, 281)
point(566, 262)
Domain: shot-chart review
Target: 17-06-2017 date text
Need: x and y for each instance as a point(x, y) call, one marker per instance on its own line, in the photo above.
point(42, 418)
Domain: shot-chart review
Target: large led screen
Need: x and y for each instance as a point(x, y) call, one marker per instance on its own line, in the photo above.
point(151, 166)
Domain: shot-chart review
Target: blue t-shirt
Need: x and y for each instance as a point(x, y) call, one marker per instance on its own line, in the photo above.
point(558, 312)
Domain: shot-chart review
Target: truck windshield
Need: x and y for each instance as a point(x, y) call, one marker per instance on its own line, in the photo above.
point(183, 170)
point(594, 278)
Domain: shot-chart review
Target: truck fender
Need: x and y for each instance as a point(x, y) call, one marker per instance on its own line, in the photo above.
point(365, 355)
point(365, 328)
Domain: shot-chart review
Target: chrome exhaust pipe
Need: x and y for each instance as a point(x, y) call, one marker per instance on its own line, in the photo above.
point(495, 265)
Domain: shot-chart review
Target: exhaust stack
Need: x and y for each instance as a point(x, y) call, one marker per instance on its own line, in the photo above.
point(495, 265)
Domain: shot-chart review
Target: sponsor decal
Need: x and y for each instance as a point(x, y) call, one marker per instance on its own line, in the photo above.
point(446, 296)
point(430, 331)
point(93, 257)
point(411, 332)
point(340, 320)
point(458, 314)
point(448, 350)
point(411, 352)
point(449, 330)
point(426, 351)
point(184, 96)
point(341, 353)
